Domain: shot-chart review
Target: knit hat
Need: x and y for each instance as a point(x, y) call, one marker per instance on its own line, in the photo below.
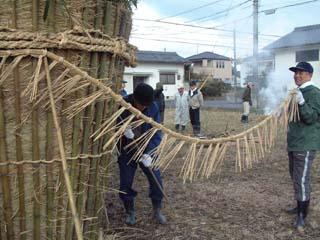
point(143, 94)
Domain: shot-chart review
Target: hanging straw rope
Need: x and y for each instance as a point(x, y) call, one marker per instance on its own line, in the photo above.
point(204, 156)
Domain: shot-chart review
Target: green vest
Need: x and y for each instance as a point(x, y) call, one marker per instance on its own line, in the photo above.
point(304, 135)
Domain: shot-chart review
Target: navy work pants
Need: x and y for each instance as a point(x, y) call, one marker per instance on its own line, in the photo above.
point(195, 119)
point(127, 172)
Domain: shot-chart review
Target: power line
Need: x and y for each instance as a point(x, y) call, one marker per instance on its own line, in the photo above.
point(185, 42)
point(197, 26)
point(223, 11)
point(191, 10)
point(291, 5)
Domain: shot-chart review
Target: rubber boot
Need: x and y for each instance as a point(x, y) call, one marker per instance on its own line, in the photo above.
point(183, 128)
point(130, 213)
point(158, 216)
point(302, 214)
point(243, 118)
point(292, 211)
point(177, 127)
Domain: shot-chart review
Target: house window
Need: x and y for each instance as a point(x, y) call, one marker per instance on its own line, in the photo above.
point(219, 64)
point(307, 55)
point(168, 78)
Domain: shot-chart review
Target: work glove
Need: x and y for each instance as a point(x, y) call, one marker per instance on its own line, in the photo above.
point(146, 160)
point(299, 97)
point(128, 133)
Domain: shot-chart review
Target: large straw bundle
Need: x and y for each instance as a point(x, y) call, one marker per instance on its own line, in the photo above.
point(51, 172)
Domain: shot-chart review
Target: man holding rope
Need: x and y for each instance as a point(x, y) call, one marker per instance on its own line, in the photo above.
point(143, 100)
point(303, 139)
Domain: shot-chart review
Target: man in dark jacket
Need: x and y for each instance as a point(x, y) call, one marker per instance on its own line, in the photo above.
point(142, 99)
point(123, 91)
point(159, 99)
point(303, 139)
point(247, 102)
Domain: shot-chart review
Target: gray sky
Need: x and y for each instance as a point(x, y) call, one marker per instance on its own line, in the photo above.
point(223, 14)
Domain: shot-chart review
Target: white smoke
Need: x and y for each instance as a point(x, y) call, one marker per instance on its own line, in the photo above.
point(279, 84)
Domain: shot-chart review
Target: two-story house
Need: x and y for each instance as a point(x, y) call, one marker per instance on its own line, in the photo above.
point(209, 63)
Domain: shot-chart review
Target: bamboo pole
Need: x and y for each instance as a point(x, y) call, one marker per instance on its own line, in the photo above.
point(93, 170)
point(35, 141)
point(4, 174)
point(63, 155)
point(19, 151)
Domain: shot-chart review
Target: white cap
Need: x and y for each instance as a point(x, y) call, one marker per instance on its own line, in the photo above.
point(180, 85)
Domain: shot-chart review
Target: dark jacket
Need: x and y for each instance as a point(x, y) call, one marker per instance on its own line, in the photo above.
point(304, 135)
point(153, 112)
point(123, 93)
point(246, 96)
point(159, 99)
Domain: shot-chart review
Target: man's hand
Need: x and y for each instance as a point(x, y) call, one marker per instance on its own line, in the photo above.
point(299, 97)
point(128, 133)
point(146, 160)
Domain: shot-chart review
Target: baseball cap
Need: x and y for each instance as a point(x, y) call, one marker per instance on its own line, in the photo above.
point(124, 81)
point(302, 66)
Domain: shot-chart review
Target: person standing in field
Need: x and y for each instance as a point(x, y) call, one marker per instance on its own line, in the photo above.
point(247, 102)
point(141, 99)
point(195, 103)
point(181, 111)
point(160, 100)
point(303, 139)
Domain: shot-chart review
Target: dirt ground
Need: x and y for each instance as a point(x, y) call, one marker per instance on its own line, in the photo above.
point(229, 205)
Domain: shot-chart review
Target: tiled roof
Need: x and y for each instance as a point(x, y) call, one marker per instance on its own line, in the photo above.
point(300, 36)
point(207, 55)
point(159, 57)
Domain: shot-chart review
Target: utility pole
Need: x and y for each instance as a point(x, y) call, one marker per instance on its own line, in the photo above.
point(234, 70)
point(255, 48)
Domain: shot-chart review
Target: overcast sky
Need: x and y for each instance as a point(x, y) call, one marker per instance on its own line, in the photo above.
point(223, 14)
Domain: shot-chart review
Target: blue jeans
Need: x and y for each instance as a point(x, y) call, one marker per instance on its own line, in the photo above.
point(127, 172)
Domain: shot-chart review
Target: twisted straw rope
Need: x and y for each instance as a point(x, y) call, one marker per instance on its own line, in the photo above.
point(119, 100)
point(75, 39)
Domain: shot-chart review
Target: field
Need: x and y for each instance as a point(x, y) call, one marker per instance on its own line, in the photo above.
point(229, 205)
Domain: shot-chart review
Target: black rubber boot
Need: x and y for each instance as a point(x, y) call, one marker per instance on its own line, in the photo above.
point(158, 216)
point(302, 214)
point(177, 127)
point(243, 118)
point(183, 128)
point(292, 211)
point(130, 213)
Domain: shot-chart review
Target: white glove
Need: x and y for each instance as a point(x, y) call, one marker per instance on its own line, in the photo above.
point(128, 133)
point(299, 97)
point(146, 160)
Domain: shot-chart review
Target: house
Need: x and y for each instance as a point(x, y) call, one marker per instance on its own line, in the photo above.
point(265, 63)
point(302, 44)
point(154, 67)
point(207, 63)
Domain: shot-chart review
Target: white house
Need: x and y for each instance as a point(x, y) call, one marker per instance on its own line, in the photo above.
point(302, 44)
point(154, 67)
point(265, 62)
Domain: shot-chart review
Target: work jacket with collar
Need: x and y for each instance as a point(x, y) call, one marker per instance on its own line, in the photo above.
point(304, 135)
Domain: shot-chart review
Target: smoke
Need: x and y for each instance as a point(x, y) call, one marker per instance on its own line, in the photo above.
point(278, 85)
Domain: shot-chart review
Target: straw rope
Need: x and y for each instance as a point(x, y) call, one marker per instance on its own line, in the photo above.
point(250, 145)
point(76, 39)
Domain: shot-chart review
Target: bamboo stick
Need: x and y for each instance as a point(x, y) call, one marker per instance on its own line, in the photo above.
point(63, 156)
point(4, 174)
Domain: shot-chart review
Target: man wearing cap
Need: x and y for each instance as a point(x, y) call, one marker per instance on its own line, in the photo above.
point(303, 139)
point(141, 99)
point(123, 92)
point(182, 105)
point(159, 99)
point(247, 102)
point(195, 103)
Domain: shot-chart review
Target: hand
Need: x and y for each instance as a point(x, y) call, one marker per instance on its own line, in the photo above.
point(128, 133)
point(299, 97)
point(146, 160)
